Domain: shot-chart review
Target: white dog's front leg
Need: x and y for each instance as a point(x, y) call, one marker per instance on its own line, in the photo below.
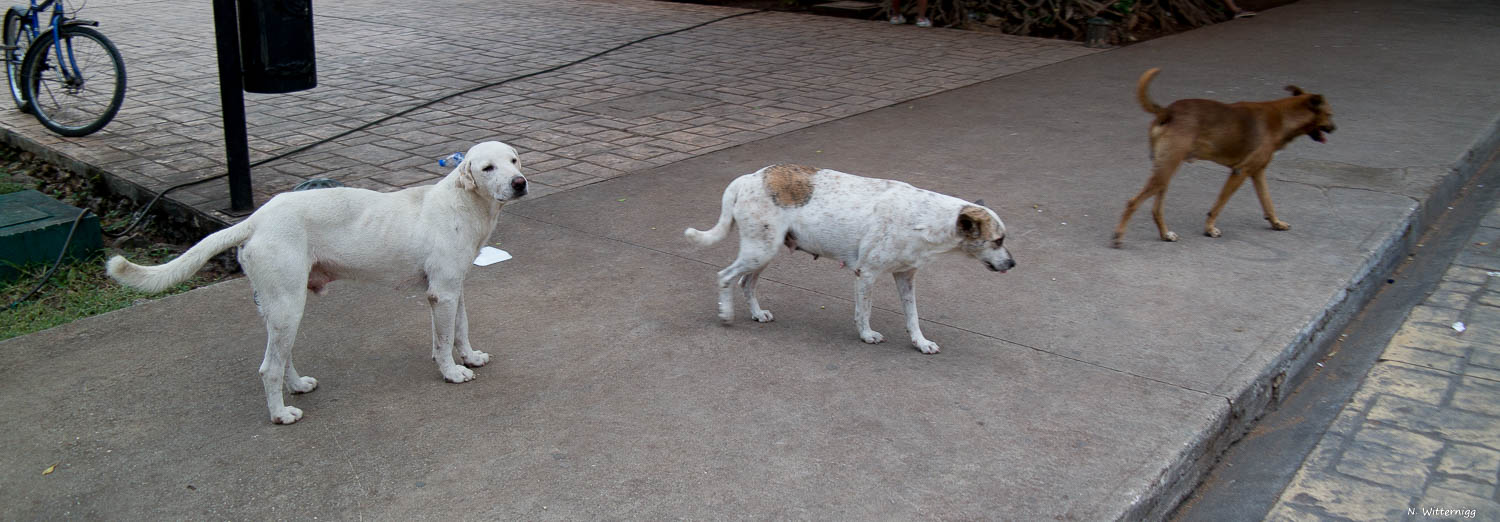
point(466, 352)
point(864, 286)
point(298, 383)
point(444, 316)
point(906, 286)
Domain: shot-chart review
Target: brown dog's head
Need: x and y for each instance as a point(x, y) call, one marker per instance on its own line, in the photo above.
point(1322, 120)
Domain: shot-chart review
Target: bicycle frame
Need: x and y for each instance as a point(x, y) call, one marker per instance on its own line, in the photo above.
point(56, 21)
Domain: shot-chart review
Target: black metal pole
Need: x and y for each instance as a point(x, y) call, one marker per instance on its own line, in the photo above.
point(232, 98)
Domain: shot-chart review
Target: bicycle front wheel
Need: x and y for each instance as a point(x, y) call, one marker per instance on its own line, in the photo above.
point(17, 39)
point(75, 82)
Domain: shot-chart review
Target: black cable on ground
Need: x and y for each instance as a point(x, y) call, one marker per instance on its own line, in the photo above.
point(66, 242)
point(141, 214)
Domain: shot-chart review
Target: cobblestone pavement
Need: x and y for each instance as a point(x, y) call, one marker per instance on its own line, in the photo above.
point(647, 105)
point(1420, 440)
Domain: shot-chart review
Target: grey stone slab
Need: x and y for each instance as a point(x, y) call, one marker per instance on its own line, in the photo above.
point(647, 104)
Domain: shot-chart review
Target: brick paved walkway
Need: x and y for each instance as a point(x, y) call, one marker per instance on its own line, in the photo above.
point(1423, 431)
point(648, 105)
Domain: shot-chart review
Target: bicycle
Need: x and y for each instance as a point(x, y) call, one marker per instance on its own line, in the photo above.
point(56, 73)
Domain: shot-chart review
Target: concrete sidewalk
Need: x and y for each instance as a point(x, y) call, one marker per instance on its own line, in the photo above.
point(1090, 383)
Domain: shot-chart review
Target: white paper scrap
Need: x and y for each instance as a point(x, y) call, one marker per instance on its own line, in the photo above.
point(490, 255)
point(1460, 327)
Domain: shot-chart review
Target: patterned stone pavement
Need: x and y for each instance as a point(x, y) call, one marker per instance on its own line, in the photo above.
point(1420, 440)
point(646, 105)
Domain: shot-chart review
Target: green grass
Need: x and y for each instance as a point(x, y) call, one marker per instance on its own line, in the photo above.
point(79, 289)
point(8, 184)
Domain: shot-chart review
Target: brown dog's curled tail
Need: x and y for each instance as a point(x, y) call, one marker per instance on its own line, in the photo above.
point(1140, 92)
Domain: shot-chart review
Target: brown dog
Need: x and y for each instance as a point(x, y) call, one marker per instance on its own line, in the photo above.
point(1242, 136)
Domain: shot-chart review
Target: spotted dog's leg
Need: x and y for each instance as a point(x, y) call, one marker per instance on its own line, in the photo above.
point(906, 286)
point(862, 301)
point(748, 285)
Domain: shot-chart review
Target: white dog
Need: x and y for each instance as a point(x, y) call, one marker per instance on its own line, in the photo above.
point(300, 241)
point(877, 226)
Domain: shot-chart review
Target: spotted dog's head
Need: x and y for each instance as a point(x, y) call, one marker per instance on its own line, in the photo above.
point(492, 169)
point(982, 235)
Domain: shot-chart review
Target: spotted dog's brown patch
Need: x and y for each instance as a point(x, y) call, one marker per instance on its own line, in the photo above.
point(790, 185)
point(975, 223)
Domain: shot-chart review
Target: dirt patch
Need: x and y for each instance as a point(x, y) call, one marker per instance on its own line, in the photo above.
point(80, 288)
point(1139, 34)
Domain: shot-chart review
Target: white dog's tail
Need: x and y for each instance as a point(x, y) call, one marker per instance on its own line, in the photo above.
point(161, 277)
point(720, 229)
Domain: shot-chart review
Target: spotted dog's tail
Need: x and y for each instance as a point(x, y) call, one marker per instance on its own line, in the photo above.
point(720, 229)
point(161, 277)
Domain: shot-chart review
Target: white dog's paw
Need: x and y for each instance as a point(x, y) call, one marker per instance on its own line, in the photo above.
point(303, 384)
point(871, 336)
point(763, 316)
point(726, 315)
point(286, 415)
point(475, 358)
point(457, 374)
point(926, 346)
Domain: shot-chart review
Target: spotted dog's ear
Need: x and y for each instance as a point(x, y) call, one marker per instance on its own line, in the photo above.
point(1295, 90)
point(974, 223)
point(466, 175)
point(979, 202)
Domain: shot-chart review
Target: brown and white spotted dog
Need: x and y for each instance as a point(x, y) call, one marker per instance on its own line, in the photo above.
point(875, 226)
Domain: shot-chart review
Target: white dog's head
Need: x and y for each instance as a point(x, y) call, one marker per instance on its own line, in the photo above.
point(982, 235)
point(492, 169)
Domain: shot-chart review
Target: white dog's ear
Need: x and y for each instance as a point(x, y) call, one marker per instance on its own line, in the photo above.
point(466, 176)
point(974, 223)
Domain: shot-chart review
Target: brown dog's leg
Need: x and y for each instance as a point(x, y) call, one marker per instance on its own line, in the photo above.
point(1130, 206)
point(1161, 220)
point(1162, 168)
point(1153, 189)
point(1265, 201)
point(1236, 178)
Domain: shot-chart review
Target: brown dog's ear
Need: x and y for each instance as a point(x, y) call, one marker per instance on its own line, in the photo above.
point(973, 222)
point(1315, 101)
point(1295, 90)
